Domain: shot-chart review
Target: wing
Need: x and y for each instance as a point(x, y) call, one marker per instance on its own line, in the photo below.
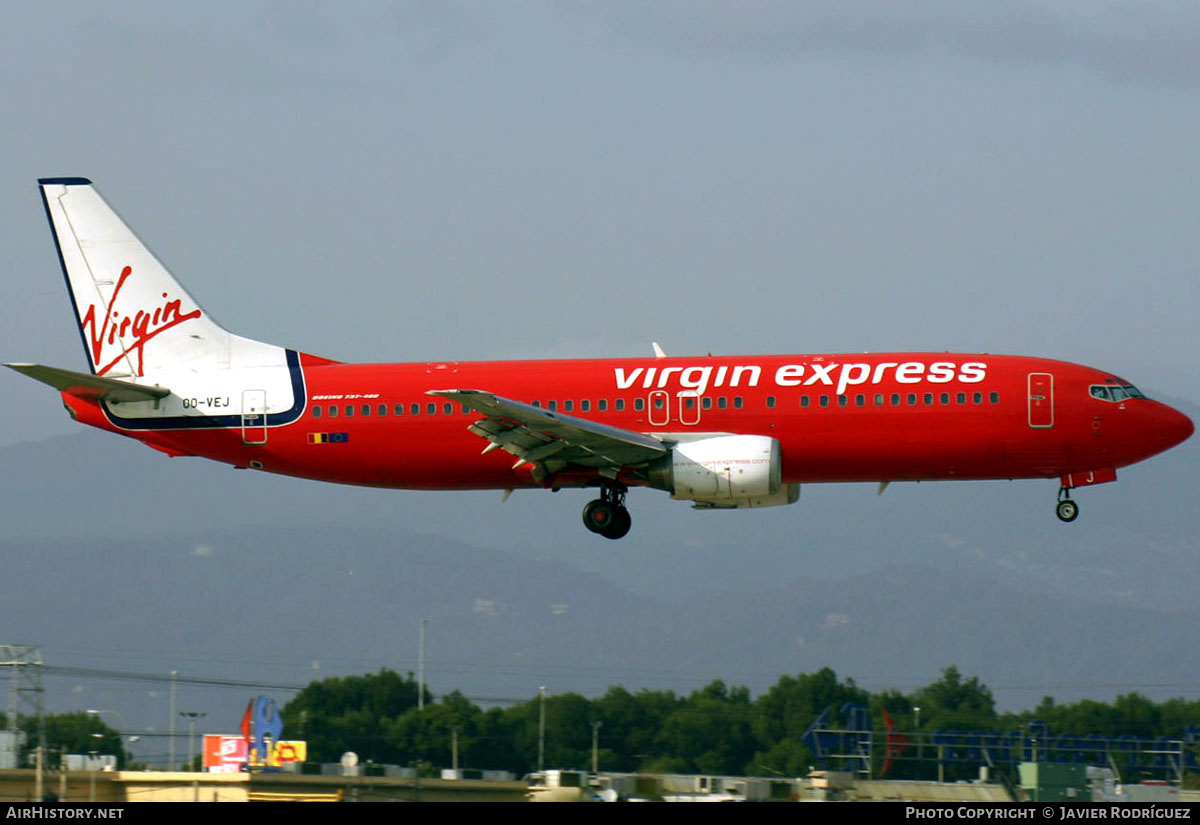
point(539, 437)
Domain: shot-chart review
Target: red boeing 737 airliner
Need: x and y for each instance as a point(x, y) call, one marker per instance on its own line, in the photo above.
point(721, 432)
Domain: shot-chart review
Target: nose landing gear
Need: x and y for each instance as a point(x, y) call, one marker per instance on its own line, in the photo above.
point(1067, 509)
point(607, 515)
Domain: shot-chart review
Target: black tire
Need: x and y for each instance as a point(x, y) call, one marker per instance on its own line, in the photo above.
point(599, 515)
point(1067, 510)
point(620, 525)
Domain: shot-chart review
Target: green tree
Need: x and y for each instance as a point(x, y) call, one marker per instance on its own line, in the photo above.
point(956, 704)
point(712, 732)
point(630, 725)
point(75, 732)
point(786, 711)
point(350, 713)
point(427, 735)
point(568, 731)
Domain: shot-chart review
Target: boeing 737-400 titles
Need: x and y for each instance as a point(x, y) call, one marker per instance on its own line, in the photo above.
point(720, 432)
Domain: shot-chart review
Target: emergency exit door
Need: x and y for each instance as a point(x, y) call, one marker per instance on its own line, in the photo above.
point(254, 417)
point(1041, 400)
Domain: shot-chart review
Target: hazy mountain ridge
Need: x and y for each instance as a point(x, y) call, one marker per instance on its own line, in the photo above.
point(111, 547)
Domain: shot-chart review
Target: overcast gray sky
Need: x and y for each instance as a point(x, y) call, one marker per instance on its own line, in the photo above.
point(441, 180)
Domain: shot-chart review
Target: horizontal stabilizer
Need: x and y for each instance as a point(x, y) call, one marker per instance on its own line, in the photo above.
point(83, 385)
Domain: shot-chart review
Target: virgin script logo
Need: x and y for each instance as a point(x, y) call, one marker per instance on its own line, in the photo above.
point(130, 331)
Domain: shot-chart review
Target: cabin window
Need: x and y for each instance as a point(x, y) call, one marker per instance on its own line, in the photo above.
point(536, 403)
point(585, 405)
point(878, 399)
point(349, 410)
point(689, 402)
point(415, 409)
point(722, 403)
point(316, 413)
point(737, 402)
point(602, 405)
point(448, 408)
point(706, 403)
point(977, 398)
point(770, 402)
point(961, 398)
point(860, 400)
point(568, 406)
point(945, 398)
point(365, 409)
point(659, 401)
point(382, 409)
point(928, 398)
point(824, 400)
point(895, 399)
point(639, 404)
point(333, 411)
point(397, 409)
point(620, 404)
point(466, 410)
point(912, 398)
point(994, 397)
point(841, 400)
point(804, 401)
point(431, 409)
point(552, 406)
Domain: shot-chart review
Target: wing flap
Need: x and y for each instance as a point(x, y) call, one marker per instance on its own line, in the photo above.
point(534, 434)
point(83, 385)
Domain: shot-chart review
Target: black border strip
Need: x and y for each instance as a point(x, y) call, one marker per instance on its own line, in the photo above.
point(215, 422)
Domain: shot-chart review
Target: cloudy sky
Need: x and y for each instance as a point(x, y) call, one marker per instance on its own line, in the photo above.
point(442, 180)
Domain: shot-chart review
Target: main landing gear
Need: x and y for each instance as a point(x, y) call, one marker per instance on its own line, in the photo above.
point(1066, 510)
point(607, 515)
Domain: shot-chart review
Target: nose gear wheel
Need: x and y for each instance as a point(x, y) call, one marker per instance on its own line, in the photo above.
point(1066, 509)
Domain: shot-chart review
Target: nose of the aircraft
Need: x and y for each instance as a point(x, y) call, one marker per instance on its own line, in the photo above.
point(1173, 427)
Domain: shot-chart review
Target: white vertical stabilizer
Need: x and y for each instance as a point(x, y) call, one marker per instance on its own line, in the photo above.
point(135, 319)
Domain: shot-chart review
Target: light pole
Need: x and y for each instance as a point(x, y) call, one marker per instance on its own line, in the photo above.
point(421, 665)
point(95, 757)
point(192, 716)
point(171, 718)
point(917, 729)
point(596, 747)
point(541, 728)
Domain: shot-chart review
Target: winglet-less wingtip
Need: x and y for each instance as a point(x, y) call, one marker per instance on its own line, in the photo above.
point(84, 385)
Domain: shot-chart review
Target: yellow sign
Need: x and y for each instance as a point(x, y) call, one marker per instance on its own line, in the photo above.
point(280, 754)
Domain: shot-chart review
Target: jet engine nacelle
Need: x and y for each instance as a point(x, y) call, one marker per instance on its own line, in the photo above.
point(725, 471)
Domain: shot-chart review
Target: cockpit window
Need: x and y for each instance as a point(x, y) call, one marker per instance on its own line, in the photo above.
point(1114, 392)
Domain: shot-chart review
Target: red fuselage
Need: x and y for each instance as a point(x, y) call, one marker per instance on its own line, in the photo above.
point(838, 418)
